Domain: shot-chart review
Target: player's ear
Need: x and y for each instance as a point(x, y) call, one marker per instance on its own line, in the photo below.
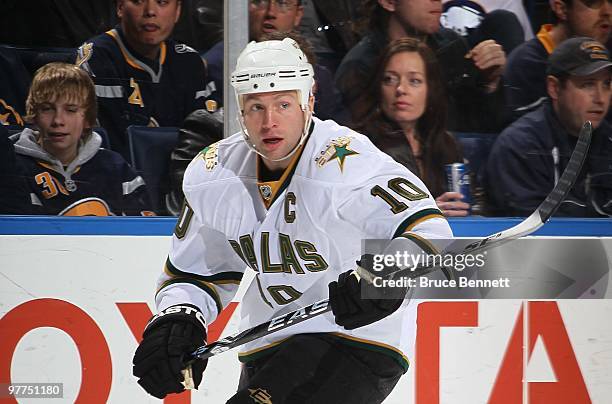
point(552, 87)
point(298, 16)
point(559, 8)
point(119, 8)
point(388, 5)
point(178, 10)
point(311, 102)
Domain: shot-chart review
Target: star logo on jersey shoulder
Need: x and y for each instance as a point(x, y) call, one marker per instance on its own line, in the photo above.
point(338, 149)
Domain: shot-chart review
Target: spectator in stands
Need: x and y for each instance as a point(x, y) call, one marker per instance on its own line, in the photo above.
point(472, 76)
point(66, 170)
point(530, 155)
point(141, 76)
point(403, 112)
point(525, 73)
point(269, 16)
point(264, 16)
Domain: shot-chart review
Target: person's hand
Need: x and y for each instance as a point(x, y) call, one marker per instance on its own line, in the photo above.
point(489, 57)
point(158, 361)
point(351, 309)
point(451, 205)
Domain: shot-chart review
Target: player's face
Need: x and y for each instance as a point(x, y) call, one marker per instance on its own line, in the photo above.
point(590, 18)
point(421, 15)
point(404, 89)
point(61, 125)
point(147, 23)
point(275, 122)
point(267, 16)
point(581, 99)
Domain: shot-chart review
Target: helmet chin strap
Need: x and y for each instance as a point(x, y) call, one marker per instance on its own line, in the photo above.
point(251, 145)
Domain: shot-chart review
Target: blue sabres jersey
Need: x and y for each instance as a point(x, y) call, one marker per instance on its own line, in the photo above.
point(103, 186)
point(133, 90)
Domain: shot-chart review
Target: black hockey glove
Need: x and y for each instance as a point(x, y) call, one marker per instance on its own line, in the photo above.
point(350, 309)
point(170, 334)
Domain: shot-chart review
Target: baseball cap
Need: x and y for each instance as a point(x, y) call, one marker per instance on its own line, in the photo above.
point(579, 56)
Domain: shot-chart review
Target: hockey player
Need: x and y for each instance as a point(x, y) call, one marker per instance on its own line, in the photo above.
point(66, 171)
point(292, 197)
point(141, 76)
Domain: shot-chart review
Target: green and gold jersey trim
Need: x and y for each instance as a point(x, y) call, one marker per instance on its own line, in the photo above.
point(419, 217)
point(270, 190)
point(208, 288)
point(423, 243)
point(261, 351)
point(206, 283)
point(375, 346)
point(218, 279)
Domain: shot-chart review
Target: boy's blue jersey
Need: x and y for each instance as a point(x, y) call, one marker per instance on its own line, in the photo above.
point(104, 185)
point(133, 90)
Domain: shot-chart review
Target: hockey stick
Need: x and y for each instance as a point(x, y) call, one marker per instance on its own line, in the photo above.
point(536, 220)
point(532, 223)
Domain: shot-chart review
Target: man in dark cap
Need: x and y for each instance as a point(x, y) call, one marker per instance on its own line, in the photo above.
point(530, 155)
point(525, 74)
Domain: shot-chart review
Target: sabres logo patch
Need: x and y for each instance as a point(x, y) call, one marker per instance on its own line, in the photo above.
point(182, 48)
point(337, 149)
point(10, 116)
point(84, 54)
point(595, 50)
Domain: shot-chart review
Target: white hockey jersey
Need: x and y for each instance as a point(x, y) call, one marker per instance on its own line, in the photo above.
point(298, 233)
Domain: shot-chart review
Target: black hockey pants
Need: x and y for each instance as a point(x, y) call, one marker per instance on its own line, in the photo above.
point(317, 368)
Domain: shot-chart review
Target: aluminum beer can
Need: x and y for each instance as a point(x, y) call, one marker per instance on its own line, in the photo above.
point(458, 180)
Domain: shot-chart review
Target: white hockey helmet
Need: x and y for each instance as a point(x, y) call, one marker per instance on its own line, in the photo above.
point(268, 66)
